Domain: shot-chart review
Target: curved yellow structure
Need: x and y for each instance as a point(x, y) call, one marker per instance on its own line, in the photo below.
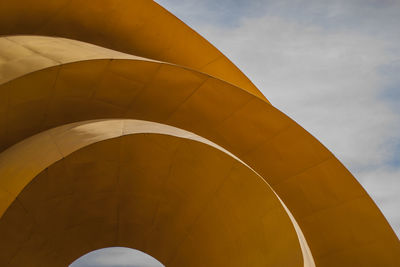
point(121, 126)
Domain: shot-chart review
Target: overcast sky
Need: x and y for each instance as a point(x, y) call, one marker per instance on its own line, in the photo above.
point(116, 257)
point(333, 66)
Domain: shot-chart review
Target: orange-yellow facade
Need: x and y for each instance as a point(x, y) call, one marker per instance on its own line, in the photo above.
point(121, 126)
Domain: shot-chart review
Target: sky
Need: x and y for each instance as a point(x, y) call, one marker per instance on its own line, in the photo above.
point(116, 257)
point(332, 66)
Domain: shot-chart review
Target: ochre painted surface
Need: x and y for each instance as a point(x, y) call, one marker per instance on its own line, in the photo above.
point(51, 82)
point(138, 27)
point(162, 190)
point(20, 55)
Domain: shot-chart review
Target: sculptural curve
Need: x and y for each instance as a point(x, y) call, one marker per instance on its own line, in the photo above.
point(277, 133)
point(59, 144)
point(141, 28)
point(341, 224)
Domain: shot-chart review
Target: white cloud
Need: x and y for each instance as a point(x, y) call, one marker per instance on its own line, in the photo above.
point(333, 66)
point(385, 184)
point(325, 64)
point(327, 81)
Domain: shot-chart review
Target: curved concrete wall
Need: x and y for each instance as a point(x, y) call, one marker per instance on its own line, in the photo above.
point(51, 82)
point(135, 166)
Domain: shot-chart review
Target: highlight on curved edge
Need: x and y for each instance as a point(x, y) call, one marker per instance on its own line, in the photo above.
point(122, 127)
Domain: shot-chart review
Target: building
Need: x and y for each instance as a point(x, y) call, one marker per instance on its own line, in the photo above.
point(121, 126)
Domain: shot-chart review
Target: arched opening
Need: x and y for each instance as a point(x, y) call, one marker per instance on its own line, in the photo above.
point(116, 257)
point(160, 189)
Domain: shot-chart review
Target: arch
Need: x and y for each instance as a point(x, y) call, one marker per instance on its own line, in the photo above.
point(318, 190)
point(138, 173)
point(141, 27)
point(203, 93)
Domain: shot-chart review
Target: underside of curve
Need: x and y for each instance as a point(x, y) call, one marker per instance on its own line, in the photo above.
point(141, 27)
